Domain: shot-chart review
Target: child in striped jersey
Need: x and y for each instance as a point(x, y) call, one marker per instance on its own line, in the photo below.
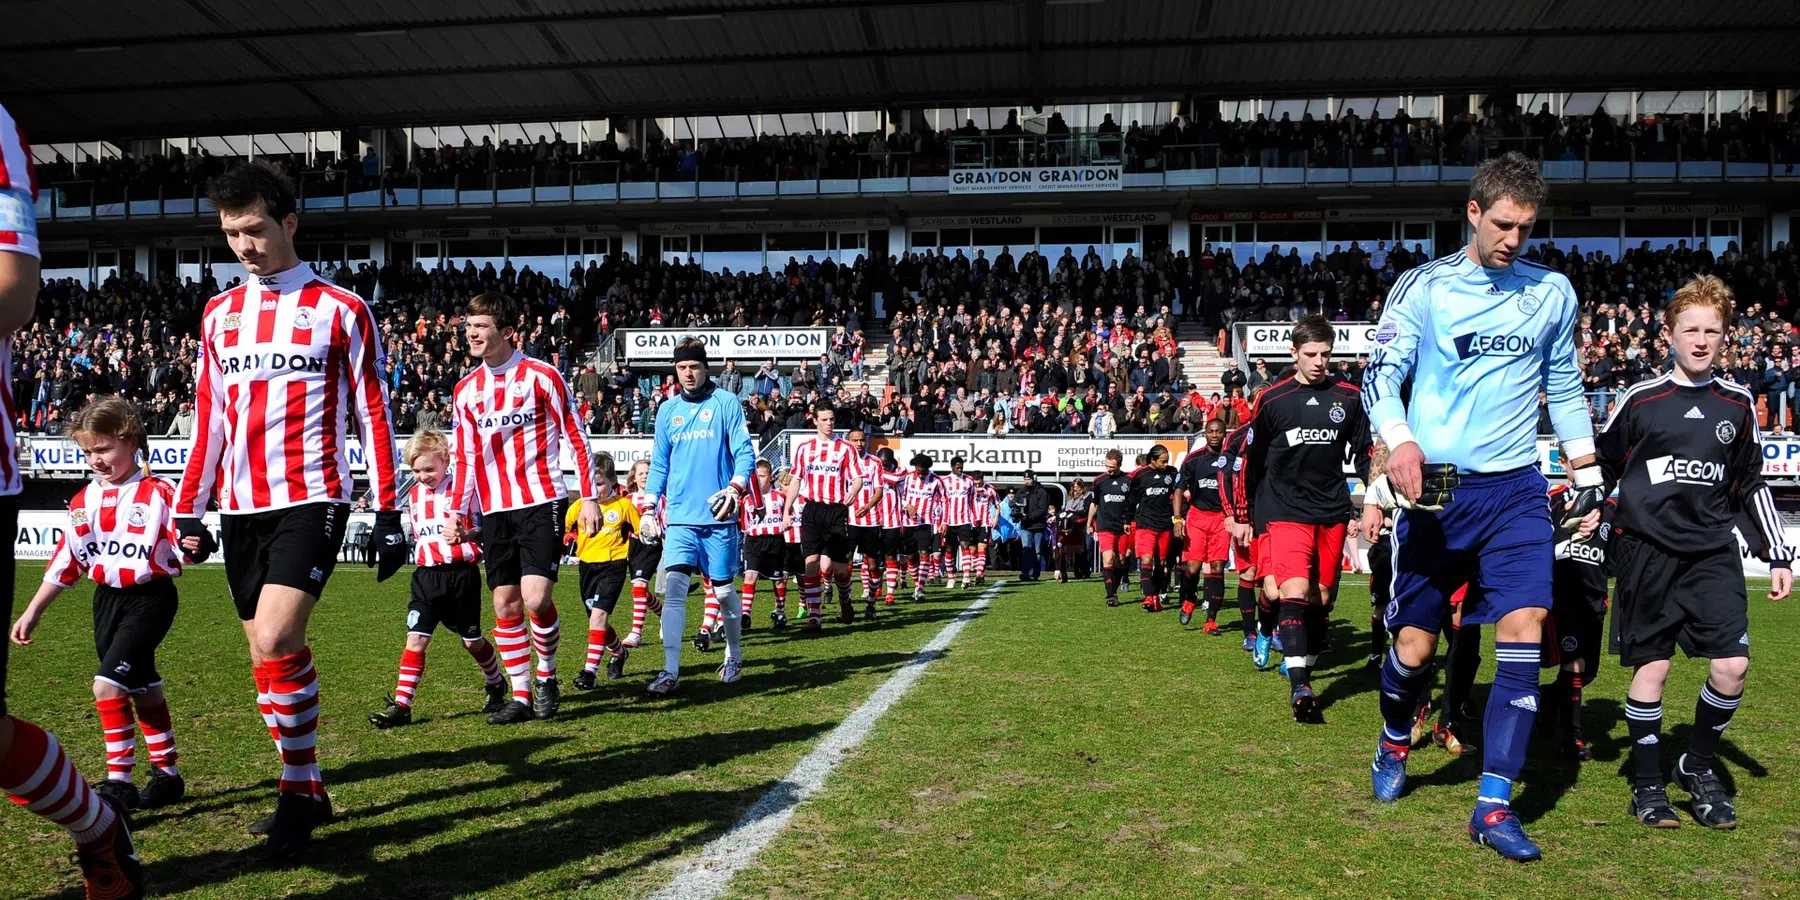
point(446, 583)
point(121, 534)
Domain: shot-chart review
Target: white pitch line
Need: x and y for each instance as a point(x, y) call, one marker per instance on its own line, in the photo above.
point(720, 861)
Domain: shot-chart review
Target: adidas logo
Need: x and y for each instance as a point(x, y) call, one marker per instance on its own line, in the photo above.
point(1494, 290)
point(1392, 696)
point(317, 574)
point(1745, 640)
point(1648, 739)
point(1312, 401)
point(1529, 704)
point(1694, 413)
point(1721, 727)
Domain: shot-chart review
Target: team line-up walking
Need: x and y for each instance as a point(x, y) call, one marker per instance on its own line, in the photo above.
point(1466, 530)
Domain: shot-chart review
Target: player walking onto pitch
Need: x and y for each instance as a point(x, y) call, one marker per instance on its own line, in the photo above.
point(827, 475)
point(765, 553)
point(887, 513)
point(515, 420)
point(1200, 523)
point(646, 552)
point(34, 771)
point(446, 582)
point(702, 464)
point(1151, 509)
point(1479, 332)
point(1572, 640)
point(1301, 432)
point(865, 519)
point(285, 359)
point(987, 510)
point(603, 569)
point(1685, 452)
point(959, 524)
point(922, 496)
point(1107, 520)
point(119, 532)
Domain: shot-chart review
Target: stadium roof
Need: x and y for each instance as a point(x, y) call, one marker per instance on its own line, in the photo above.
point(151, 68)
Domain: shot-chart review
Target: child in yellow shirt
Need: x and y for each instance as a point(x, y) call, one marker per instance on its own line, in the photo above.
point(604, 567)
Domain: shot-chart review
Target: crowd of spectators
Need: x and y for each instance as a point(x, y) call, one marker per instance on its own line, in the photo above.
point(1352, 137)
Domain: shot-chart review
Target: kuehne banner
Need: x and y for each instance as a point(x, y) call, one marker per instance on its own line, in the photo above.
point(1058, 456)
point(168, 456)
point(1040, 180)
point(657, 345)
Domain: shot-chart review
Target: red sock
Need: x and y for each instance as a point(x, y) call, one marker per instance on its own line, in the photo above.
point(596, 648)
point(640, 605)
point(294, 693)
point(412, 668)
point(159, 734)
point(968, 566)
point(119, 728)
point(546, 635)
point(38, 776)
point(485, 658)
point(610, 638)
point(781, 595)
point(515, 655)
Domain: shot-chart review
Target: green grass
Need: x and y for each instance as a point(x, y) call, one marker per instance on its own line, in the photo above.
point(1058, 748)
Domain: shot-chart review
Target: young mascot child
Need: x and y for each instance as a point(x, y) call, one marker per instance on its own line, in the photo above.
point(604, 565)
point(120, 533)
point(446, 582)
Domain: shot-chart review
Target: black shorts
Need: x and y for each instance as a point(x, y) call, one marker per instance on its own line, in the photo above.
point(9, 531)
point(643, 561)
point(1574, 629)
point(893, 543)
point(957, 535)
point(1381, 572)
point(796, 559)
point(600, 584)
point(129, 623)
point(1663, 599)
point(295, 547)
point(765, 554)
point(448, 595)
point(919, 539)
point(520, 542)
point(868, 540)
point(825, 531)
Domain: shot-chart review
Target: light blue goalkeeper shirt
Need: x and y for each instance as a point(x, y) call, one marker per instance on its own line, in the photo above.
point(701, 446)
point(1478, 344)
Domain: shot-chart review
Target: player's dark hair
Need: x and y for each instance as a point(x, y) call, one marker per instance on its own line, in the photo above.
point(1215, 420)
point(1510, 176)
point(258, 181)
point(921, 460)
point(1314, 330)
point(496, 305)
point(765, 464)
point(956, 460)
point(1115, 454)
point(1159, 452)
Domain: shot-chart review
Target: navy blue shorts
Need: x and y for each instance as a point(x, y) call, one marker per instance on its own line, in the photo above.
point(1496, 535)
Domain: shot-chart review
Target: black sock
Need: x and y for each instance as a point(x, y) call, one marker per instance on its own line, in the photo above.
point(1146, 582)
point(1293, 637)
point(1190, 586)
point(1267, 616)
point(1459, 675)
point(1712, 712)
point(1643, 721)
point(1569, 685)
point(1121, 572)
point(1111, 577)
point(1247, 606)
point(1377, 635)
point(1317, 620)
point(1215, 595)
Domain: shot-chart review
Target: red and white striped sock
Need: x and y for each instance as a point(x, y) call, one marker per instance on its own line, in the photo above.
point(159, 734)
point(968, 566)
point(747, 596)
point(912, 570)
point(980, 565)
point(37, 775)
point(868, 580)
point(546, 635)
point(264, 706)
point(843, 586)
point(119, 728)
point(893, 578)
point(610, 640)
point(294, 693)
point(515, 655)
point(640, 606)
point(596, 649)
point(709, 619)
point(810, 586)
point(485, 658)
point(781, 585)
point(412, 668)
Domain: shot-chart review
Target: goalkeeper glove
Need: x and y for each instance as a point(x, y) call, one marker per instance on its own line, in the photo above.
point(1586, 492)
point(725, 503)
point(1437, 488)
point(191, 526)
point(649, 530)
point(388, 543)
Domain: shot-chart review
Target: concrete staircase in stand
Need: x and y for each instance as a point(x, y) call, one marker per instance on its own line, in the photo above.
point(1201, 364)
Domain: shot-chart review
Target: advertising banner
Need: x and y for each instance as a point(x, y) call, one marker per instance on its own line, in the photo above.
point(1040, 180)
point(1277, 338)
point(657, 345)
point(168, 456)
point(1048, 456)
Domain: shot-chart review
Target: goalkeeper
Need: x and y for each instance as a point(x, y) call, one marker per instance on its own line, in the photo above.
point(701, 468)
point(1479, 333)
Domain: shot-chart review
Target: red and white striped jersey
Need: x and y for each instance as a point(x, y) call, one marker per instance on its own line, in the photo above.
point(987, 505)
point(760, 519)
point(284, 362)
point(514, 426)
point(870, 468)
point(959, 500)
point(825, 468)
point(120, 535)
point(429, 511)
point(922, 500)
point(16, 174)
point(887, 512)
point(792, 534)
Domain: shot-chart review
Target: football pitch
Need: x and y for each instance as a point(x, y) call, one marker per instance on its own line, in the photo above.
point(1057, 748)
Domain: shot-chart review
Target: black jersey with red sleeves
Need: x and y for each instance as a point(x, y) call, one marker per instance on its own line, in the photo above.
point(1580, 571)
point(1232, 499)
point(1300, 437)
point(1201, 471)
point(1152, 498)
point(1686, 457)
point(1112, 495)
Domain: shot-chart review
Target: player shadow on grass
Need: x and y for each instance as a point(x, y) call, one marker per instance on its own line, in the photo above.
point(763, 675)
point(360, 848)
